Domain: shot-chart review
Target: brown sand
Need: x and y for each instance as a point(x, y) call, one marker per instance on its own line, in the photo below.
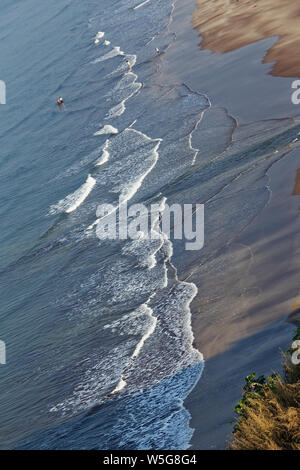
point(246, 292)
point(226, 25)
point(294, 316)
point(295, 306)
point(296, 190)
point(256, 277)
point(241, 324)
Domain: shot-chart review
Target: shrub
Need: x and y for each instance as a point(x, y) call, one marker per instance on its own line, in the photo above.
point(269, 411)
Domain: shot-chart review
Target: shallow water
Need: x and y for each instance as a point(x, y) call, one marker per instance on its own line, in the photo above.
point(90, 323)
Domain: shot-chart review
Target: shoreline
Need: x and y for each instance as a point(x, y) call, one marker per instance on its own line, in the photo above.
point(230, 25)
point(249, 332)
point(252, 317)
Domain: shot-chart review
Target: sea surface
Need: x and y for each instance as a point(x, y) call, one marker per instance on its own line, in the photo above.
point(98, 333)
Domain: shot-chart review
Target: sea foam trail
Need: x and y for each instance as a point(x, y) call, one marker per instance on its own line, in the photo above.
point(105, 155)
point(127, 150)
point(99, 36)
point(171, 309)
point(153, 245)
point(124, 90)
point(130, 189)
point(107, 130)
point(165, 341)
point(109, 55)
point(127, 87)
point(153, 321)
point(73, 201)
point(116, 111)
point(147, 245)
point(141, 4)
point(162, 350)
point(174, 368)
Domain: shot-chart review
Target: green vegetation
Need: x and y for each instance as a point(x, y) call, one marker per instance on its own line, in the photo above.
point(268, 414)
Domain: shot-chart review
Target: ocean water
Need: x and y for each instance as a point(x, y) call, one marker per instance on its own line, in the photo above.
point(94, 330)
point(98, 333)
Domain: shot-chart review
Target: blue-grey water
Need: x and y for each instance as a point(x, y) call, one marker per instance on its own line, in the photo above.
point(98, 333)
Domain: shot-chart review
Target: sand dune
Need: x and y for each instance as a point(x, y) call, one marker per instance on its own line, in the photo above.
point(226, 25)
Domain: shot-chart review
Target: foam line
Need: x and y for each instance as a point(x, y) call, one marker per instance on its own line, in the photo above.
point(74, 200)
point(107, 130)
point(105, 155)
point(109, 55)
point(141, 4)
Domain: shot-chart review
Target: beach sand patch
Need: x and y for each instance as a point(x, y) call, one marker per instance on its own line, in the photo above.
point(229, 25)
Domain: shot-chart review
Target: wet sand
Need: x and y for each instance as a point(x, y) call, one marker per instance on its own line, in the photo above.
point(241, 315)
point(243, 320)
point(231, 24)
point(296, 190)
point(256, 275)
point(244, 331)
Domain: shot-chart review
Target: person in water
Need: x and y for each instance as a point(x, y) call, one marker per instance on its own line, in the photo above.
point(157, 51)
point(129, 64)
point(60, 101)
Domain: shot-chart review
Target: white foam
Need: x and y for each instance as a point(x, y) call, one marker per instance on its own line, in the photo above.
point(73, 201)
point(195, 150)
point(128, 190)
point(96, 381)
point(131, 58)
point(151, 329)
point(173, 309)
point(91, 226)
point(106, 43)
point(147, 245)
point(76, 167)
point(98, 36)
point(127, 87)
point(141, 311)
point(141, 4)
point(120, 386)
point(116, 111)
point(109, 55)
point(105, 155)
point(123, 67)
point(165, 343)
point(107, 130)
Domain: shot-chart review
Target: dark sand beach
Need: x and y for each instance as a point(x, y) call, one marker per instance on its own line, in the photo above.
point(228, 25)
point(246, 290)
point(296, 190)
